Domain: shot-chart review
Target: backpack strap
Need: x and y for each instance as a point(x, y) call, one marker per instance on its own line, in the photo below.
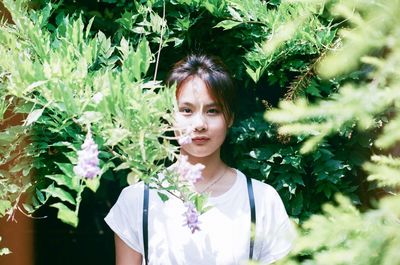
point(252, 216)
point(145, 219)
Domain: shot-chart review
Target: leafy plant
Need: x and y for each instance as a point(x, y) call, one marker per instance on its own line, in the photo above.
point(65, 80)
point(343, 235)
point(304, 181)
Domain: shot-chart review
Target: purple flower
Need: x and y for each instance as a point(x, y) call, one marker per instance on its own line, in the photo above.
point(185, 170)
point(192, 217)
point(88, 161)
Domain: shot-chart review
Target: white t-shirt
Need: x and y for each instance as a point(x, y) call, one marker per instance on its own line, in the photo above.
point(224, 238)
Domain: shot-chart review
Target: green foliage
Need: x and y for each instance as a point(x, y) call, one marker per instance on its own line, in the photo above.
point(304, 181)
point(53, 78)
point(369, 43)
point(343, 235)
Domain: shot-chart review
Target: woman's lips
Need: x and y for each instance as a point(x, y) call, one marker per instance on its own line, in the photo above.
point(200, 140)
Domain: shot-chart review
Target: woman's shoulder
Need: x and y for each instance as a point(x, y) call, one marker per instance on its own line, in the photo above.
point(261, 188)
point(132, 192)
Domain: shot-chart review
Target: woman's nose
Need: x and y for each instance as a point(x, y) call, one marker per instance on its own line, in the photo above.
point(199, 122)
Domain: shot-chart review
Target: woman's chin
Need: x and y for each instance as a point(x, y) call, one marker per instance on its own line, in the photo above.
point(198, 154)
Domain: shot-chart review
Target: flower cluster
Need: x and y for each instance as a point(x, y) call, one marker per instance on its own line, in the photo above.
point(88, 161)
point(192, 217)
point(187, 171)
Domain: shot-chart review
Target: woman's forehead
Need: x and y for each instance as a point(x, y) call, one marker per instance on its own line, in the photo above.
point(193, 90)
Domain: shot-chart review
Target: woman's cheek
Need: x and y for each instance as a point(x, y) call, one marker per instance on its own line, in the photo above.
point(180, 123)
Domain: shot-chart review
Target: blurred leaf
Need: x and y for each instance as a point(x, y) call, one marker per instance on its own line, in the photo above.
point(163, 196)
point(227, 24)
point(33, 116)
point(93, 184)
point(5, 205)
point(61, 179)
point(59, 193)
point(65, 214)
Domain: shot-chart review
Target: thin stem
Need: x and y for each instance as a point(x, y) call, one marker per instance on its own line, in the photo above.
point(79, 196)
point(160, 45)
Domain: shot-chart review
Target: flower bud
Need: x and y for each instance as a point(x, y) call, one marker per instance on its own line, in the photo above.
point(192, 217)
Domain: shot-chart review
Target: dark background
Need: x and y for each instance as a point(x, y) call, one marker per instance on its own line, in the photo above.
point(92, 242)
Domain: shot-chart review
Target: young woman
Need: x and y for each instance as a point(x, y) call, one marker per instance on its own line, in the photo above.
point(205, 99)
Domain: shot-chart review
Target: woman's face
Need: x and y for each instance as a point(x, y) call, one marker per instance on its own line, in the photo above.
point(199, 115)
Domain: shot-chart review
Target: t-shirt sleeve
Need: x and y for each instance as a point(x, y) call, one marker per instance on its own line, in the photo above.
point(124, 218)
point(279, 234)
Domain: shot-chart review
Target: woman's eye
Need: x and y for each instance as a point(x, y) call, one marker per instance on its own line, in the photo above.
point(213, 111)
point(185, 110)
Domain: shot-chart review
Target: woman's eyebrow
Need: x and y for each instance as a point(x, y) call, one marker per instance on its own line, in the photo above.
point(212, 104)
point(186, 104)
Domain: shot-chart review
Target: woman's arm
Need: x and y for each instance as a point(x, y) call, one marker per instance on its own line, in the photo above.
point(124, 255)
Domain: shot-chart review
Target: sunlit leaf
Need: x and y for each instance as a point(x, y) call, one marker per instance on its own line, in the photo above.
point(65, 214)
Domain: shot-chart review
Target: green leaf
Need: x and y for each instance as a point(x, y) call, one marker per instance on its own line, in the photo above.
point(200, 201)
point(124, 48)
point(144, 55)
point(90, 117)
point(4, 206)
point(255, 75)
point(297, 204)
point(227, 24)
point(123, 165)
point(9, 136)
point(265, 169)
point(33, 116)
point(59, 193)
point(93, 184)
point(36, 84)
point(116, 135)
point(40, 196)
point(65, 214)
point(88, 27)
point(72, 157)
point(163, 196)
point(28, 208)
point(12, 188)
point(61, 179)
point(67, 169)
point(261, 153)
point(134, 176)
point(66, 144)
point(137, 62)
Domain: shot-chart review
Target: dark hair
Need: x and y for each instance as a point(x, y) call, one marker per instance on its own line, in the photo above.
point(214, 74)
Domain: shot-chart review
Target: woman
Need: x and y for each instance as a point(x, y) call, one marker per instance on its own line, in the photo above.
point(205, 99)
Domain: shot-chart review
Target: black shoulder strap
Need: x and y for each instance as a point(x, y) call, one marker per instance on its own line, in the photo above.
point(145, 222)
point(252, 216)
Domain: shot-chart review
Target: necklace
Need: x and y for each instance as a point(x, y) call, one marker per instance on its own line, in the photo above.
point(214, 182)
